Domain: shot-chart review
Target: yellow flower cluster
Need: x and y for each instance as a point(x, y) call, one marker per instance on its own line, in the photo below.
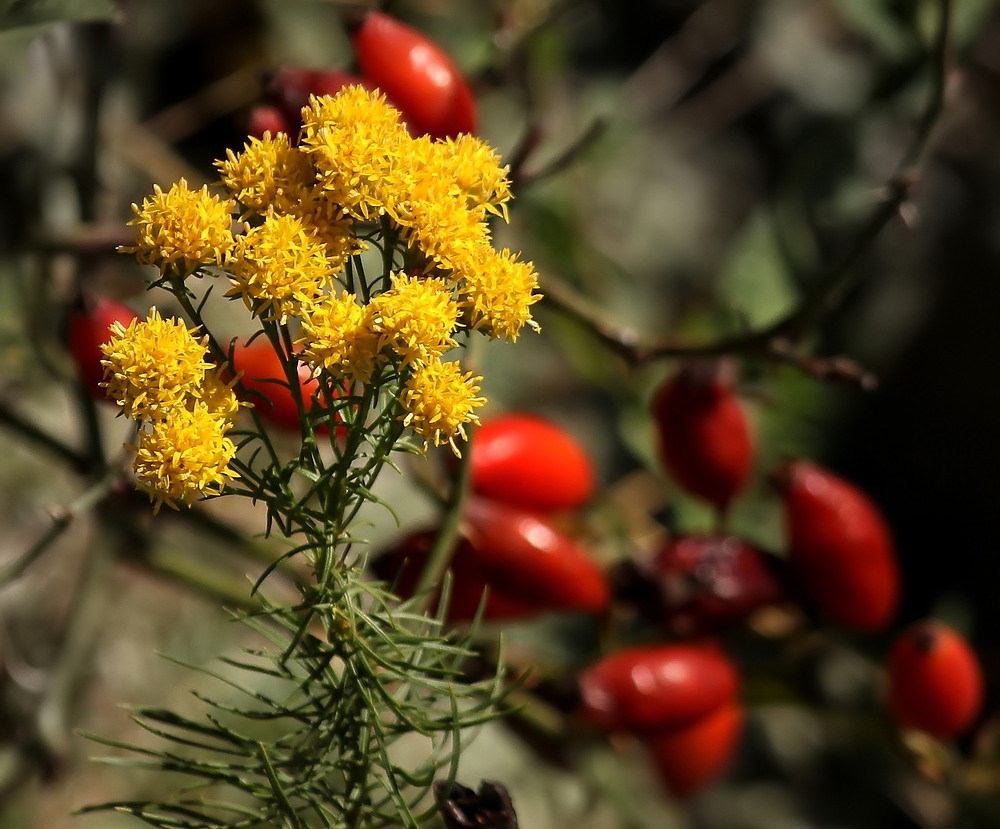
point(182, 230)
point(306, 208)
point(158, 373)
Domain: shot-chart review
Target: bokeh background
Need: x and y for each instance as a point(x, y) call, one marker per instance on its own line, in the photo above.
point(683, 169)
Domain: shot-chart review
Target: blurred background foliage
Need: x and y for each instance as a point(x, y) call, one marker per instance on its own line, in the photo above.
point(684, 169)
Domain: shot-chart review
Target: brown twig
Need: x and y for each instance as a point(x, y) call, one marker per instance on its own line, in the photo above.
point(682, 60)
point(78, 461)
point(221, 97)
point(776, 341)
point(521, 178)
point(85, 240)
point(61, 520)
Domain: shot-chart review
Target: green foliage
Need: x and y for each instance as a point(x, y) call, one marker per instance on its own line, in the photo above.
point(304, 735)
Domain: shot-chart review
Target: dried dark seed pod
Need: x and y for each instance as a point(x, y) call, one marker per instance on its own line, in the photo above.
point(462, 808)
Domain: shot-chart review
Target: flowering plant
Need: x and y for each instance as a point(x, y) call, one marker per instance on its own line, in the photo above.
point(364, 254)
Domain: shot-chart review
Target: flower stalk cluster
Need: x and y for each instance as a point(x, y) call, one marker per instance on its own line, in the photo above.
point(158, 372)
point(294, 236)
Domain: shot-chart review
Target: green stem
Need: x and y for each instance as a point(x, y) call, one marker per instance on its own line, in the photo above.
point(390, 238)
point(439, 556)
point(366, 476)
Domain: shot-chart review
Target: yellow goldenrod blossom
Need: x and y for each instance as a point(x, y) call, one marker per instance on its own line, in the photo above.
point(181, 230)
point(474, 167)
point(217, 393)
point(358, 146)
point(415, 319)
point(184, 455)
point(269, 173)
point(356, 178)
point(153, 365)
point(439, 400)
point(277, 266)
point(332, 227)
point(497, 294)
point(444, 229)
point(337, 336)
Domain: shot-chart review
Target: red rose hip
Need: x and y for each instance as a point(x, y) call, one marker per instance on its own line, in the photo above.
point(288, 89)
point(403, 564)
point(656, 686)
point(87, 331)
point(523, 459)
point(527, 557)
point(414, 73)
point(839, 546)
point(529, 565)
point(935, 680)
point(704, 438)
point(691, 756)
point(263, 378)
point(711, 582)
point(264, 118)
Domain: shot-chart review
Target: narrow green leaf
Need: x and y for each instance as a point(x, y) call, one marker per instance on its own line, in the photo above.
point(282, 799)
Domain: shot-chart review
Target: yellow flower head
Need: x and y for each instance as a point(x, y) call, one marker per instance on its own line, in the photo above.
point(217, 393)
point(184, 455)
point(356, 142)
point(497, 294)
point(415, 318)
point(439, 400)
point(474, 167)
point(444, 229)
point(181, 230)
point(270, 172)
point(277, 267)
point(337, 337)
point(332, 227)
point(154, 365)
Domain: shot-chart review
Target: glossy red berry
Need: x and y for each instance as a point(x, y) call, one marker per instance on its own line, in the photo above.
point(529, 565)
point(689, 757)
point(839, 546)
point(288, 89)
point(403, 564)
point(330, 82)
point(656, 687)
point(935, 680)
point(89, 329)
point(710, 582)
point(526, 556)
point(529, 461)
point(704, 438)
point(263, 378)
point(265, 118)
point(415, 75)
